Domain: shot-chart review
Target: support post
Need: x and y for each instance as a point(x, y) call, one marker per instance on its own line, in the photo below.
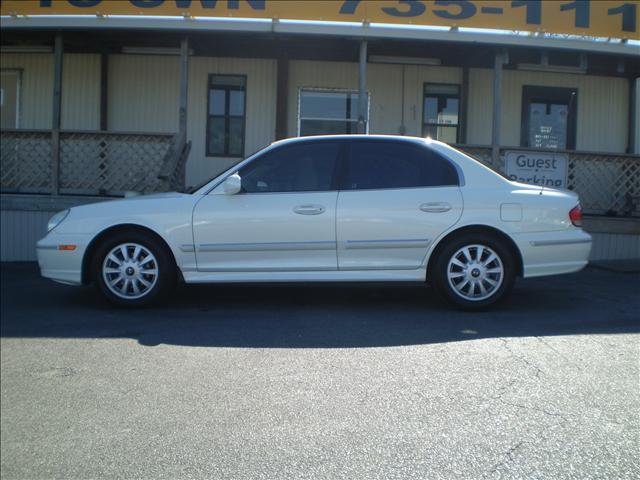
point(57, 109)
point(362, 89)
point(282, 97)
point(464, 106)
point(184, 85)
point(497, 107)
point(634, 103)
point(104, 91)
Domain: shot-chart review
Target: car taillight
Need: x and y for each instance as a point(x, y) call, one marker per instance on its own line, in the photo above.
point(575, 215)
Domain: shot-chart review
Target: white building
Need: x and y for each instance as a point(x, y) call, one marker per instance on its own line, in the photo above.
point(94, 106)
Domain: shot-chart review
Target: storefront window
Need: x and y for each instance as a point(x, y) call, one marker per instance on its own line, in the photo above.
point(548, 117)
point(324, 112)
point(441, 112)
point(226, 116)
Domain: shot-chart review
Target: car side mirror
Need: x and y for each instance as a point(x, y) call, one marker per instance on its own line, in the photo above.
point(232, 184)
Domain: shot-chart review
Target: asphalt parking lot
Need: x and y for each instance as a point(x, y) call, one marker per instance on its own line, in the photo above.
point(321, 382)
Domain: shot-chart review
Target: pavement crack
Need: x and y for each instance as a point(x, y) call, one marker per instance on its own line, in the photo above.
point(508, 458)
point(563, 416)
point(521, 358)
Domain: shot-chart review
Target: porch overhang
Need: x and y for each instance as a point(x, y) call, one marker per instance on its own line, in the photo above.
point(358, 30)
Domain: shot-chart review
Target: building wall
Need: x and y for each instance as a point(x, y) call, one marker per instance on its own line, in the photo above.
point(260, 110)
point(143, 93)
point(19, 232)
point(602, 110)
point(480, 109)
point(144, 97)
point(80, 89)
point(384, 84)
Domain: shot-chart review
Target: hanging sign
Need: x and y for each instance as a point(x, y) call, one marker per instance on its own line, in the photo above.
point(537, 168)
point(600, 18)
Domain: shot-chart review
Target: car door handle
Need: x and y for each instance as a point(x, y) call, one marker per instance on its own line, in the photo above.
point(435, 207)
point(309, 209)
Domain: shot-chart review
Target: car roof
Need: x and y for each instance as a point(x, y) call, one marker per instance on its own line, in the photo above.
point(328, 138)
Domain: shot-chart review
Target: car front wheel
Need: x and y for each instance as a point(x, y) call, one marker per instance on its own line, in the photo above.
point(474, 273)
point(133, 270)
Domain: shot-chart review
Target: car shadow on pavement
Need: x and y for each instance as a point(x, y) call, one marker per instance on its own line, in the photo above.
point(318, 315)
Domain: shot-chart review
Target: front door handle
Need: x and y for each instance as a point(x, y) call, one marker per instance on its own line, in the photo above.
point(309, 209)
point(435, 207)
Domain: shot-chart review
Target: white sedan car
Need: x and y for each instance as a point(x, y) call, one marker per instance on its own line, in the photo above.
point(344, 208)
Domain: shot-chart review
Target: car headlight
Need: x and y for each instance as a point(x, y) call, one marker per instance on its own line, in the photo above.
point(57, 219)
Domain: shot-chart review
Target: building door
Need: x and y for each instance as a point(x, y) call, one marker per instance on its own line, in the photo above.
point(9, 98)
point(549, 118)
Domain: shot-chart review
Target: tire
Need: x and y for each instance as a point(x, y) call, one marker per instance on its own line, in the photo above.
point(133, 269)
point(470, 284)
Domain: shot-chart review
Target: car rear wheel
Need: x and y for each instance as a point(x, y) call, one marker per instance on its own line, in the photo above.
point(474, 272)
point(133, 270)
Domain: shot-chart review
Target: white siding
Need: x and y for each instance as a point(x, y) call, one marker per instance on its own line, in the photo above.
point(81, 92)
point(19, 232)
point(144, 97)
point(260, 110)
point(36, 94)
point(480, 107)
point(143, 93)
point(80, 89)
point(615, 246)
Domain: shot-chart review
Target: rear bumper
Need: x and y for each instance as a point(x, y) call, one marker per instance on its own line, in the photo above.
point(63, 266)
point(553, 253)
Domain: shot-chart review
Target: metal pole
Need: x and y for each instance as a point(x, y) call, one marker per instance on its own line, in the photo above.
point(634, 146)
point(104, 91)
point(362, 89)
point(497, 107)
point(282, 92)
point(184, 85)
point(464, 106)
point(57, 108)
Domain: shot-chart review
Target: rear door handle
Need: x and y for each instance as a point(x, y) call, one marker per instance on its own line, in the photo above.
point(309, 209)
point(435, 207)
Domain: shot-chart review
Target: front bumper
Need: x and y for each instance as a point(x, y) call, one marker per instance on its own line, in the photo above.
point(63, 266)
point(553, 253)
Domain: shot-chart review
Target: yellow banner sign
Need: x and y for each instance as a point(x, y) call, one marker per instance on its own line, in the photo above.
point(598, 18)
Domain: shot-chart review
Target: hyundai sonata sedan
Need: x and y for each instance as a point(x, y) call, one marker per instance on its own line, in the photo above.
point(344, 208)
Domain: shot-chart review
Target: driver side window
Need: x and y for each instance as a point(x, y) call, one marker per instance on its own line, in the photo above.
point(307, 167)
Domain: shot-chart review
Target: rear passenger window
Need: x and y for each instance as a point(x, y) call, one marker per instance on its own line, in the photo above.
point(385, 165)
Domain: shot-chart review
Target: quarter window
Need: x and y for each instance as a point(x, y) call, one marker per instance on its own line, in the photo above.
point(226, 116)
point(387, 165)
point(308, 167)
point(441, 112)
point(324, 112)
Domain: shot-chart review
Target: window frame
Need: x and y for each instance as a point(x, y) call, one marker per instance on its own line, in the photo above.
point(336, 175)
point(227, 88)
point(18, 73)
point(331, 90)
point(557, 95)
point(342, 185)
point(438, 95)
